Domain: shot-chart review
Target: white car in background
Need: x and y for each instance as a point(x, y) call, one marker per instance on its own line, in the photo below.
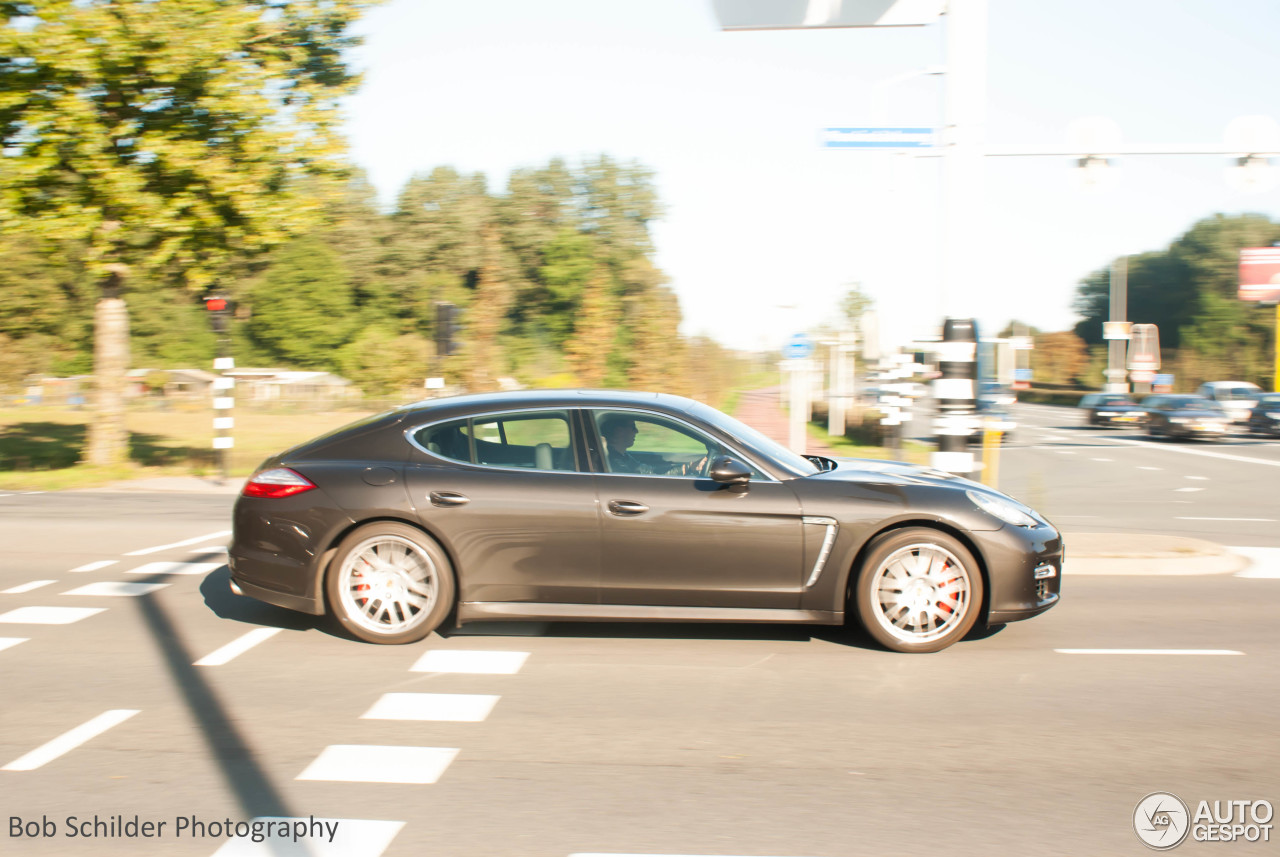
point(1237, 398)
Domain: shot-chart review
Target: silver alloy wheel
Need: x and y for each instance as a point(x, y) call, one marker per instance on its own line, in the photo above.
point(921, 592)
point(387, 584)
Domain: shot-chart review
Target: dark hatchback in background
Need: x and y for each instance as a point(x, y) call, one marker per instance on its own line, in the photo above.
point(1182, 416)
point(618, 506)
point(1111, 409)
point(1264, 417)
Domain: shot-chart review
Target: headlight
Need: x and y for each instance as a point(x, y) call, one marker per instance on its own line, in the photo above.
point(1179, 420)
point(1001, 508)
point(1275, 415)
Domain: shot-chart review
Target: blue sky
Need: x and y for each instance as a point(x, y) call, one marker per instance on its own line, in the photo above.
point(763, 228)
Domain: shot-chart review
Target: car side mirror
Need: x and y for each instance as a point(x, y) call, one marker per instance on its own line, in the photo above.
point(729, 471)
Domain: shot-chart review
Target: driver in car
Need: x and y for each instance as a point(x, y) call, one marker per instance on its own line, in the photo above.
point(619, 432)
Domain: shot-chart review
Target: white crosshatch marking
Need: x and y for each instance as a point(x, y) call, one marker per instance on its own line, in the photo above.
point(176, 568)
point(355, 837)
point(1264, 563)
point(237, 647)
point(111, 588)
point(10, 642)
point(463, 707)
point(27, 587)
point(94, 566)
point(475, 662)
point(49, 615)
point(68, 741)
point(376, 763)
point(182, 544)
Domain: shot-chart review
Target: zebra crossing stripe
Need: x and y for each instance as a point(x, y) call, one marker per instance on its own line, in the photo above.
point(176, 568)
point(458, 707)
point(353, 837)
point(112, 588)
point(377, 763)
point(473, 662)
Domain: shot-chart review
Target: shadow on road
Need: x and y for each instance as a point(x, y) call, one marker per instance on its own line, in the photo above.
point(237, 761)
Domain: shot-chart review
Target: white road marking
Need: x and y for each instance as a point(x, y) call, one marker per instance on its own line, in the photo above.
point(10, 642)
point(1250, 520)
point(116, 588)
point(377, 763)
point(49, 615)
point(237, 647)
point(212, 549)
point(1065, 451)
point(181, 544)
point(616, 854)
point(27, 587)
point(1201, 478)
point(1206, 453)
point(1264, 563)
point(94, 566)
point(176, 568)
point(1187, 490)
point(1100, 459)
point(67, 742)
point(1150, 468)
point(457, 661)
point(458, 707)
point(355, 837)
point(1148, 652)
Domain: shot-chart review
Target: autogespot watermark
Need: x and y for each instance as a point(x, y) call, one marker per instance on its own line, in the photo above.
point(1162, 821)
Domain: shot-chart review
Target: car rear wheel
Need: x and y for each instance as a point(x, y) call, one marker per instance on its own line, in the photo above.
point(920, 590)
point(390, 583)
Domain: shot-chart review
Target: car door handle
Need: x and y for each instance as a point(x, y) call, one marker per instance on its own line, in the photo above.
point(627, 507)
point(448, 498)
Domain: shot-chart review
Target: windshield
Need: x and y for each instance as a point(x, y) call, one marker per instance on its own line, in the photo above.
point(796, 465)
point(1193, 402)
point(1236, 394)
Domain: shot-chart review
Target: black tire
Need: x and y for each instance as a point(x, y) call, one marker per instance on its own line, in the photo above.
point(407, 567)
point(900, 607)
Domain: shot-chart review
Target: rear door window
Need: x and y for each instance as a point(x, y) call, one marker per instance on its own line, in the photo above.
point(530, 440)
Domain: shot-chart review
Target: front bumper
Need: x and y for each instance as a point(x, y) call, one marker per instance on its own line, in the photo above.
point(1024, 572)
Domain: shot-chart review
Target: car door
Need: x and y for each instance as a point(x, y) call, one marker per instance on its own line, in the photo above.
point(506, 494)
point(676, 538)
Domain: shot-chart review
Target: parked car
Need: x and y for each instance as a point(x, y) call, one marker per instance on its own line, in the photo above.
point(1236, 397)
point(1265, 416)
point(619, 506)
point(995, 393)
point(1183, 416)
point(1111, 409)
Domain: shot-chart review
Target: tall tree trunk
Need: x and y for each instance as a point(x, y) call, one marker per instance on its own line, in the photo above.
point(108, 435)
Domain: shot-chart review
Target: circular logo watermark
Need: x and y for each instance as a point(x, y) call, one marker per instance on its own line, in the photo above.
point(1161, 821)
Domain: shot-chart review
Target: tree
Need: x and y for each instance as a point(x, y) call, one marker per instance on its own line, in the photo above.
point(1059, 358)
point(487, 315)
point(855, 303)
point(303, 307)
point(167, 138)
point(594, 332)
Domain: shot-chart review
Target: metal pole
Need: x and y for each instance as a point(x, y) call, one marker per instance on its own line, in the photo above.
point(1275, 380)
point(954, 390)
point(799, 405)
point(1117, 375)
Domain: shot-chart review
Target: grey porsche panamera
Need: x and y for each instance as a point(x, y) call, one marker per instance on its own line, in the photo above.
point(571, 505)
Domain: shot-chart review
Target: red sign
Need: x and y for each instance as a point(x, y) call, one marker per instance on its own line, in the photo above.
point(1260, 274)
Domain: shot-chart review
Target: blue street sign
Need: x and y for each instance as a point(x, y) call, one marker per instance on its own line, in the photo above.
point(878, 138)
point(1163, 380)
point(1022, 374)
point(798, 347)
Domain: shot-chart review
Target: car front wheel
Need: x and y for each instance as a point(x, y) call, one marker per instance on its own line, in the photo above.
point(920, 590)
point(390, 583)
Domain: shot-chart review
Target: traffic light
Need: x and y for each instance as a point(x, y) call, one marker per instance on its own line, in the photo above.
point(446, 329)
point(219, 309)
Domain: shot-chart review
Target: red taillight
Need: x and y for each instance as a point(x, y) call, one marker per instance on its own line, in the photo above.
point(277, 482)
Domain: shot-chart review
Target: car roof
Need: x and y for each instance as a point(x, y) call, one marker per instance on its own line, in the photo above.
point(573, 398)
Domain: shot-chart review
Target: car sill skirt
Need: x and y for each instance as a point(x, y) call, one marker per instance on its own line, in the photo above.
point(489, 611)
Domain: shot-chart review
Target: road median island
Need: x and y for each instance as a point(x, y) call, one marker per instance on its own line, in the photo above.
point(1147, 554)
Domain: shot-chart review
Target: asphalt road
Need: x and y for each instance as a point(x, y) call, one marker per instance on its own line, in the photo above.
point(1119, 480)
point(564, 739)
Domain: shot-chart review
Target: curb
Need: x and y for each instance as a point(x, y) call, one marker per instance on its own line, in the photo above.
point(1143, 554)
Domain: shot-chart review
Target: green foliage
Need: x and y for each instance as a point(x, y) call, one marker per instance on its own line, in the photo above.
point(1169, 288)
point(168, 137)
point(304, 306)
